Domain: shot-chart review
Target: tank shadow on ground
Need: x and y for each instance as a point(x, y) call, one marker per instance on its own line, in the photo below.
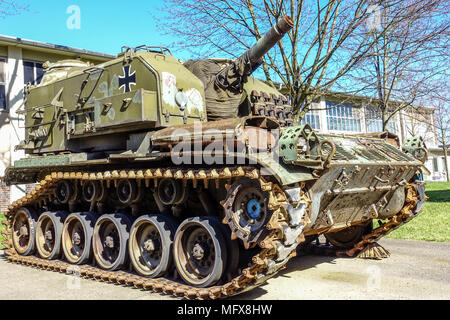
point(438, 195)
point(301, 262)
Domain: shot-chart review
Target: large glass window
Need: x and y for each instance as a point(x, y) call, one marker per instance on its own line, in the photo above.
point(33, 72)
point(342, 117)
point(374, 122)
point(3, 102)
point(435, 165)
point(312, 118)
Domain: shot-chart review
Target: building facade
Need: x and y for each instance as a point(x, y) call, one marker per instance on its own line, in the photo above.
point(340, 113)
point(21, 62)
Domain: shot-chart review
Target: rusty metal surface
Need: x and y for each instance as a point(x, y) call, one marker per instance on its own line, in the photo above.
point(231, 128)
point(272, 257)
point(368, 248)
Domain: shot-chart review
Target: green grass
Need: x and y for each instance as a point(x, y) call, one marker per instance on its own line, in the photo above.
point(2, 217)
point(433, 224)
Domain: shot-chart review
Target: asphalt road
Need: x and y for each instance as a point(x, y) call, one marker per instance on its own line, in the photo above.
point(415, 270)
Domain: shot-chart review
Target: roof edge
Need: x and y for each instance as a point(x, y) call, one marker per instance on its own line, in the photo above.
point(45, 45)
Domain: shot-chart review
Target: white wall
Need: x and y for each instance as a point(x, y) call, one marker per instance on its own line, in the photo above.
point(438, 175)
point(11, 126)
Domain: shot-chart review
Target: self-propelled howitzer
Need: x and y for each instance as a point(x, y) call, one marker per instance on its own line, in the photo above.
point(132, 173)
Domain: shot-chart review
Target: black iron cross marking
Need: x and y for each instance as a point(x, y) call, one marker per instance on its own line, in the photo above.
point(127, 79)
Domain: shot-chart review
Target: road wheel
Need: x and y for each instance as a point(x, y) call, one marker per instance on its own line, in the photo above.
point(77, 237)
point(200, 253)
point(349, 237)
point(24, 231)
point(110, 241)
point(150, 245)
point(48, 234)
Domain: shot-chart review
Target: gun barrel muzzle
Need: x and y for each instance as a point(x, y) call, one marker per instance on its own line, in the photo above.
point(270, 39)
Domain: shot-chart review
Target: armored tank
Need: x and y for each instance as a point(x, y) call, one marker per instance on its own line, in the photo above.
point(191, 178)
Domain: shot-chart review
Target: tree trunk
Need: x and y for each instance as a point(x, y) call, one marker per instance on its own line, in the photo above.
point(385, 116)
point(445, 147)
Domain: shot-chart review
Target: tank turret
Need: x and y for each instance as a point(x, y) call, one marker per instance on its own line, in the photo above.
point(224, 79)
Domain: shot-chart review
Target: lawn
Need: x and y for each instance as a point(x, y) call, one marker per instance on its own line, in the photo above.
point(2, 217)
point(433, 224)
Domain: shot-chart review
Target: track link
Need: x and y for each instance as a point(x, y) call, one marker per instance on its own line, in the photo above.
point(275, 251)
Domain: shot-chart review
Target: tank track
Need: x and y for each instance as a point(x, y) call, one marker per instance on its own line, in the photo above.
point(272, 258)
point(368, 248)
point(275, 251)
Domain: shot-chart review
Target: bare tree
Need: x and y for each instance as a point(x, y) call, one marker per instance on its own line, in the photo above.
point(407, 59)
point(435, 121)
point(307, 62)
point(441, 103)
point(443, 130)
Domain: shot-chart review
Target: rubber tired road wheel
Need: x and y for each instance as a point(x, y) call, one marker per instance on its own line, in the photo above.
point(77, 237)
point(347, 238)
point(150, 245)
point(24, 231)
point(110, 241)
point(233, 252)
point(200, 252)
point(48, 234)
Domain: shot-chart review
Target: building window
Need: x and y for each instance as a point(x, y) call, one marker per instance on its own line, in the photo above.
point(3, 102)
point(443, 165)
point(435, 165)
point(374, 122)
point(33, 72)
point(342, 117)
point(311, 118)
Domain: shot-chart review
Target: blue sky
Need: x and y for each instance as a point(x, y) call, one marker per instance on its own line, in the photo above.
point(106, 25)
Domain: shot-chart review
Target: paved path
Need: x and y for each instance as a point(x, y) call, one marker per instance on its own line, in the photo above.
point(416, 270)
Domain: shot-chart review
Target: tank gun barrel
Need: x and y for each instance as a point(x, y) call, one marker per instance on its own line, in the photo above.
point(269, 40)
point(234, 76)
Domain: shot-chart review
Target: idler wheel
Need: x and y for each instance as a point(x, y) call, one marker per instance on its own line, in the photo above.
point(110, 241)
point(77, 237)
point(23, 231)
point(349, 237)
point(48, 234)
point(246, 210)
point(150, 245)
point(200, 251)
